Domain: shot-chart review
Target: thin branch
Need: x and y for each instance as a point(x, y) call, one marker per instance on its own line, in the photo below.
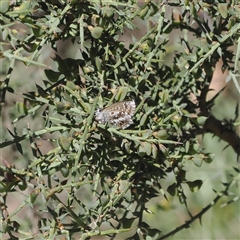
point(200, 214)
point(221, 130)
point(224, 131)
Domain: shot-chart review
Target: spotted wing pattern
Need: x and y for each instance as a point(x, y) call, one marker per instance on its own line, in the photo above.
point(118, 114)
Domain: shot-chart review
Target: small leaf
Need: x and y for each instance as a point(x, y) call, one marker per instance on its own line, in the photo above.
point(165, 96)
point(219, 51)
point(19, 148)
point(52, 75)
point(33, 196)
point(71, 85)
point(96, 32)
point(55, 178)
point(127, 146)
point(236, 169)
point(9, 89)
point(223, 9)
point(141, 150)
point(24, 9)
point(197, 161)
point(41, 91)
point(143, 119)
point(4, 6)
point(127, 222)
point(65, 171)
point(154, 151)
point(107, 11)
point(148, 148)
point(98, 62)
point(60, 106)
point(200, 121)
point(121, 94)
point(209, 159)
point(21, 108)
point(147, 133)
point(162, 134)
point(187, 146)
point(172, 189)
point(195, 185)
point(37, 31)
point(143, 12)
point(30, 47)
point(65, 142)
point(22, 186)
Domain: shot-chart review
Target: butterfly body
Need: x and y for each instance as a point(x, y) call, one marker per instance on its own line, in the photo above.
point(118, 114)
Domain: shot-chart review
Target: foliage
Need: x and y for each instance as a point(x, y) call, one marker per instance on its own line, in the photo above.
point(95, 180)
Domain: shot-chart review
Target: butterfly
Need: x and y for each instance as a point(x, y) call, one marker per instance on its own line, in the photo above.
point(118, 114)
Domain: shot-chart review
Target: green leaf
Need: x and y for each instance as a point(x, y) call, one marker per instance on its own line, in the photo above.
point(4, 5)
point(154, 151)
point(96, 32)
point(223, 9)
point(148, 148)
point(141, 150)
point(165, 96)
point(19, 148)
point(65, 171)
point(33, 196)
point(65, 142)
point(200, 121)
point(24, 9)
point(127, 146)
point(107, 11)
point(143, 119)
point(60, 106)
point(98, 62)
point(121, 94)
point(197, 161)
point(52, 75)
point(172, 189)
point(142, 14)
point(195, 185)
point(21, 108)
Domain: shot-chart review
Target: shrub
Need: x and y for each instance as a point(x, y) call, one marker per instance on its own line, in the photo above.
point(72, 177)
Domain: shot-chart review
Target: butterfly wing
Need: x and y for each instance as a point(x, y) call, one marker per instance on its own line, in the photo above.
point(118, 114)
